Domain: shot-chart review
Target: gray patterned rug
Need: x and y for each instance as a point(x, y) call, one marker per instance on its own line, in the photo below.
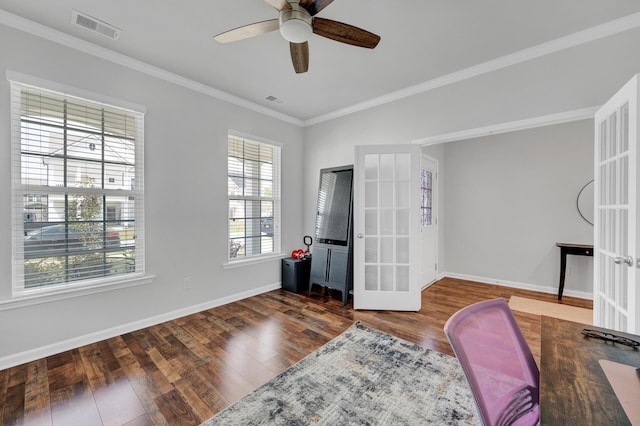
point(362, 377)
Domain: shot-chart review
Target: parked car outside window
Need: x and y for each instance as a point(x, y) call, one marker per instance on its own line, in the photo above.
point(58, 237)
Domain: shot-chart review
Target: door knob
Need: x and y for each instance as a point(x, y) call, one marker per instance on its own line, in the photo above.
point(628, 260)
point(360, 235)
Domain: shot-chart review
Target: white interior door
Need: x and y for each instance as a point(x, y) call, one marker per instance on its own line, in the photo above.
point(615, 293)
point(387, 227)
point(429, 219)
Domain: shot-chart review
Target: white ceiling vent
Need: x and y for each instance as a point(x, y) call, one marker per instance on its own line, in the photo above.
point(95, 25)
point(274, 99)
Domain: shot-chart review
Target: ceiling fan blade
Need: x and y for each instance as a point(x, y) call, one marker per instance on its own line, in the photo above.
point(300, 56)
point(345, 33)
point(247, 31)
point(279, 4)
point(315, 6)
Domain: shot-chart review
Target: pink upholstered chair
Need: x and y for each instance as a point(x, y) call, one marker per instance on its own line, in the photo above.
point(497, 362)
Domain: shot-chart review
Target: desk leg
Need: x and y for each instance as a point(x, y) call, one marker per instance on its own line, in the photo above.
point(563, 267)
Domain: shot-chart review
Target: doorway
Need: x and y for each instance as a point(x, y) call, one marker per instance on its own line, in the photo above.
point(429, 219)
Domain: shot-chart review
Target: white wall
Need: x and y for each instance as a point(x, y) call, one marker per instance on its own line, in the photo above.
point(185, 182)
point(511, 197)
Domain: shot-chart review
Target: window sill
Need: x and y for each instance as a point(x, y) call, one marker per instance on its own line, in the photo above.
point(231, 264)
point(35, 297)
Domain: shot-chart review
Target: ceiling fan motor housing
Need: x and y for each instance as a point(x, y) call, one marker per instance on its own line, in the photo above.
point(295, 25)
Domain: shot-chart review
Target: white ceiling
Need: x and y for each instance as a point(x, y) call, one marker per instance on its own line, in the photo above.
point(422, 40)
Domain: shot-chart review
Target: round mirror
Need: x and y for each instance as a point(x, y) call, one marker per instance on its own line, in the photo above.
point(585, 202)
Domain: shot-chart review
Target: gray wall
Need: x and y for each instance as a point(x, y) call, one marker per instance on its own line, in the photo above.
point(185, 182)
point(580, 77)
point(511, 197)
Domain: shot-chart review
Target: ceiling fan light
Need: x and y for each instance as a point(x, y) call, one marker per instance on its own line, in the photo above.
point(295, 26)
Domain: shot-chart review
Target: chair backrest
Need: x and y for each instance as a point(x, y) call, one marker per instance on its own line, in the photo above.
point(497, 362)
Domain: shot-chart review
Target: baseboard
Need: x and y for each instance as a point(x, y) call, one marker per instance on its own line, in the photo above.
point(48, 350)
point(440, 276)
point(523, 286)
point(55, 348)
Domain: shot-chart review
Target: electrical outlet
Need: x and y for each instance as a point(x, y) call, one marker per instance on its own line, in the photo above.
point(187, 283)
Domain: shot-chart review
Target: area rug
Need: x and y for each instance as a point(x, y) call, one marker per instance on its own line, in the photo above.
point(362, 377)
point(556, 310)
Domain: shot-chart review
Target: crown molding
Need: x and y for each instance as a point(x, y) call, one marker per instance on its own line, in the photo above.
point(581, 37)
point(511, 126)
point(50, 34)
point(572, 40)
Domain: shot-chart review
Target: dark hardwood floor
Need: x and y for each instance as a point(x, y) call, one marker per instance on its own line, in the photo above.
point(184, 371)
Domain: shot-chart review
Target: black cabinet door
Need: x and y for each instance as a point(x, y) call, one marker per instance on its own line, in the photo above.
point(338, 269)
point(330, 267)
point(319, 265)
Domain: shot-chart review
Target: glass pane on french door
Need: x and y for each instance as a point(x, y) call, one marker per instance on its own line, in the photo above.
point(388, 189)
point(616, 222)
point(613, 209)
point(387, 227)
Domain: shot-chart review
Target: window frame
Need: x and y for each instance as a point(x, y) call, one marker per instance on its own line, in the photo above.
point(426, 197)
point(232, 262)
point(21, 295)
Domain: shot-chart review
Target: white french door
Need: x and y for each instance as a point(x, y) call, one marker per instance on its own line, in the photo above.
point(387, 227)
point(615, 293)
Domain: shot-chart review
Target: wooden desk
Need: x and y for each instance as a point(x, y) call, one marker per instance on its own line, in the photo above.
point(573, 386)
point(575, 249)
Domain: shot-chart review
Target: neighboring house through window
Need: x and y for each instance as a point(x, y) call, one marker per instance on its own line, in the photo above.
point(77, 191)
point(254, 198)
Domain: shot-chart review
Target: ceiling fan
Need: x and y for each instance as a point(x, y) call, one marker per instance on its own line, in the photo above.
point(296, 23)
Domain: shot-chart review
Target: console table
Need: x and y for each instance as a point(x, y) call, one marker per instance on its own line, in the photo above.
point(575, 249)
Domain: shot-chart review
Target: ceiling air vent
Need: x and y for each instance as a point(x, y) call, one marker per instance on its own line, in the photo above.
point(95, 25)
point(274, 99)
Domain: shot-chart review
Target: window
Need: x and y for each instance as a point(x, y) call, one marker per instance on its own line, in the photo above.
point(254, 198)
point(77, 191)
point(426, 190)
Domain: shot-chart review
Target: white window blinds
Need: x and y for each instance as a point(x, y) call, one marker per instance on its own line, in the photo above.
point(254, 198)
point(77, 178)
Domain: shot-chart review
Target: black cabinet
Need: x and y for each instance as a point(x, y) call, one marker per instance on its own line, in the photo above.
point(295, 274)
point(332, 260)
point(331, 267)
